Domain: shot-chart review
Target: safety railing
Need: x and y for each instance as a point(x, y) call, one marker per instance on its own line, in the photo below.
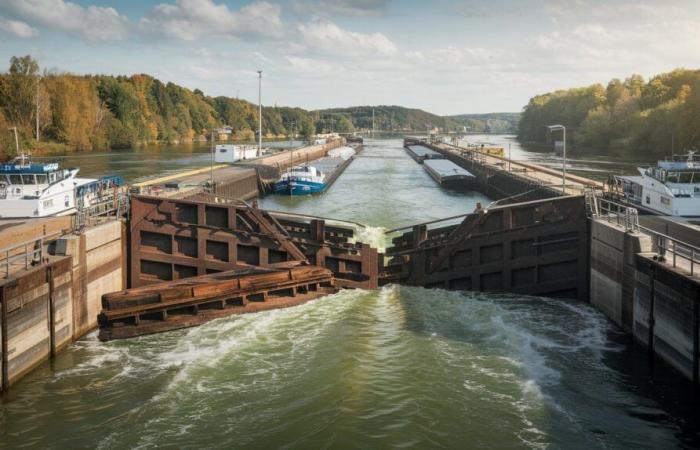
point(115, 204)
point(675, 252)
point(31, 252)
point(612, 212)
point(22, 255)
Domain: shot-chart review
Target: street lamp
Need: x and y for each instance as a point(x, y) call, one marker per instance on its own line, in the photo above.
point(563, 176)
point(16, 139)
point(259, 113)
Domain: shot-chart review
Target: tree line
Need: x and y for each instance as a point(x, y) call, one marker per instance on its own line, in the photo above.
point(67, 112)
point(658, 116)
point(100, 112)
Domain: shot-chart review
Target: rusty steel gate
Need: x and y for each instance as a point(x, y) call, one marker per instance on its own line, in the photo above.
point(536, 248)
point(172, 239)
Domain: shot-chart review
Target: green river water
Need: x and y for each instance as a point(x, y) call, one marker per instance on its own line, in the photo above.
point(400, 367)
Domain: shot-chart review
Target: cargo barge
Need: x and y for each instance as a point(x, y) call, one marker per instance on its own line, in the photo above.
point(316, 176)
point(449, 175)
point(420, 153)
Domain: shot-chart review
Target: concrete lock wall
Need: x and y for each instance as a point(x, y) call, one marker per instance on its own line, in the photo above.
point(666, 315)
point(97, 269)
point(47, 307)
point(612, 274)
point(36, 317)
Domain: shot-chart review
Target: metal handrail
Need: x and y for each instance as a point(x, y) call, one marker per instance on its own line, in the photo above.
point(28, 251)
point(22, 251)
point(610, 211)
point(626, 216)
point(677, 248)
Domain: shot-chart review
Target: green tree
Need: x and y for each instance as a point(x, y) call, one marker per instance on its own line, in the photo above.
point(18, 90)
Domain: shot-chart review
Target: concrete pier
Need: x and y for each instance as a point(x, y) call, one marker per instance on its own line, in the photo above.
point(56, 299)
point(613, 266)
point(648, 286)
point(507, 180)
point(242, 180)
point(667, 314)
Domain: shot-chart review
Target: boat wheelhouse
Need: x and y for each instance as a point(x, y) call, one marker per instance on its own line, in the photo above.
point(30, 189)
point(671, 188)
point(301, 180)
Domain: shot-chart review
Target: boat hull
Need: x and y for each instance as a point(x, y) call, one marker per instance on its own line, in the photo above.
point(285, 187)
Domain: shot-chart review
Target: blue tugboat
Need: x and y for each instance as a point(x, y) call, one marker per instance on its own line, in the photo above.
point(317, 176)
point(301, 180)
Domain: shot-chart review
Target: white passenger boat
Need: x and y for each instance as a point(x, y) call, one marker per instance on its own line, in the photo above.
point(45, 189)
point(671, 188)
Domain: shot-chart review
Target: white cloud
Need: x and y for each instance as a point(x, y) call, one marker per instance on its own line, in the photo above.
point(17, 28)
point(189, 20)
point(93, 23)
point(342, 7)
point(454, 56)
point(327, 37)
point(310, 67)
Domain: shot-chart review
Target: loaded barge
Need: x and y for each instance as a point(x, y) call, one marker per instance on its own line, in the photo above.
point(420, 153)
point(316, 176)
point(449, 175)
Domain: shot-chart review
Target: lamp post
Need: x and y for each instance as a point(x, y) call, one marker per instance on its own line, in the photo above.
point(510, 158)
point(563, 176)
point(259, 113)
point(16, 139)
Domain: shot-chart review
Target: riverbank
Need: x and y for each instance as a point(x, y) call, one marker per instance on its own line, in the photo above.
point(47, 149)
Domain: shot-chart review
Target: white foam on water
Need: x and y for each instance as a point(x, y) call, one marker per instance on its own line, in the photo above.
point(256, 342)
point(374, 236)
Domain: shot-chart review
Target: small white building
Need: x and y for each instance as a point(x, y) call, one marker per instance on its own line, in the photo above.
point(228, 153)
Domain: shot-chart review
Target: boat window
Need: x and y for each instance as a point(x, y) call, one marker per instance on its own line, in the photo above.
point(41, 179)
point(28, 179)
point(686, 177)
point(15, 179)
point(52, 177)
point(672, 177)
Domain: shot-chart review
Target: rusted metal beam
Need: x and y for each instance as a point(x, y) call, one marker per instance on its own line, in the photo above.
point(190, 302)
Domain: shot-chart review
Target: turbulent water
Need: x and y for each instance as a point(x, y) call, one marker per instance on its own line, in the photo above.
point(397, 367)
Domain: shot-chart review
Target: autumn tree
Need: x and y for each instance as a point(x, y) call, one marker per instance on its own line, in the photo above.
point(18, 90)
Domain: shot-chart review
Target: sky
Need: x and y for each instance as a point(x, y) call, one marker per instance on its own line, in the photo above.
point(444, 56)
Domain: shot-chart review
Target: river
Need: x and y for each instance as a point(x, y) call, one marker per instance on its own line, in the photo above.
point(145, 162)
point(397, 367)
